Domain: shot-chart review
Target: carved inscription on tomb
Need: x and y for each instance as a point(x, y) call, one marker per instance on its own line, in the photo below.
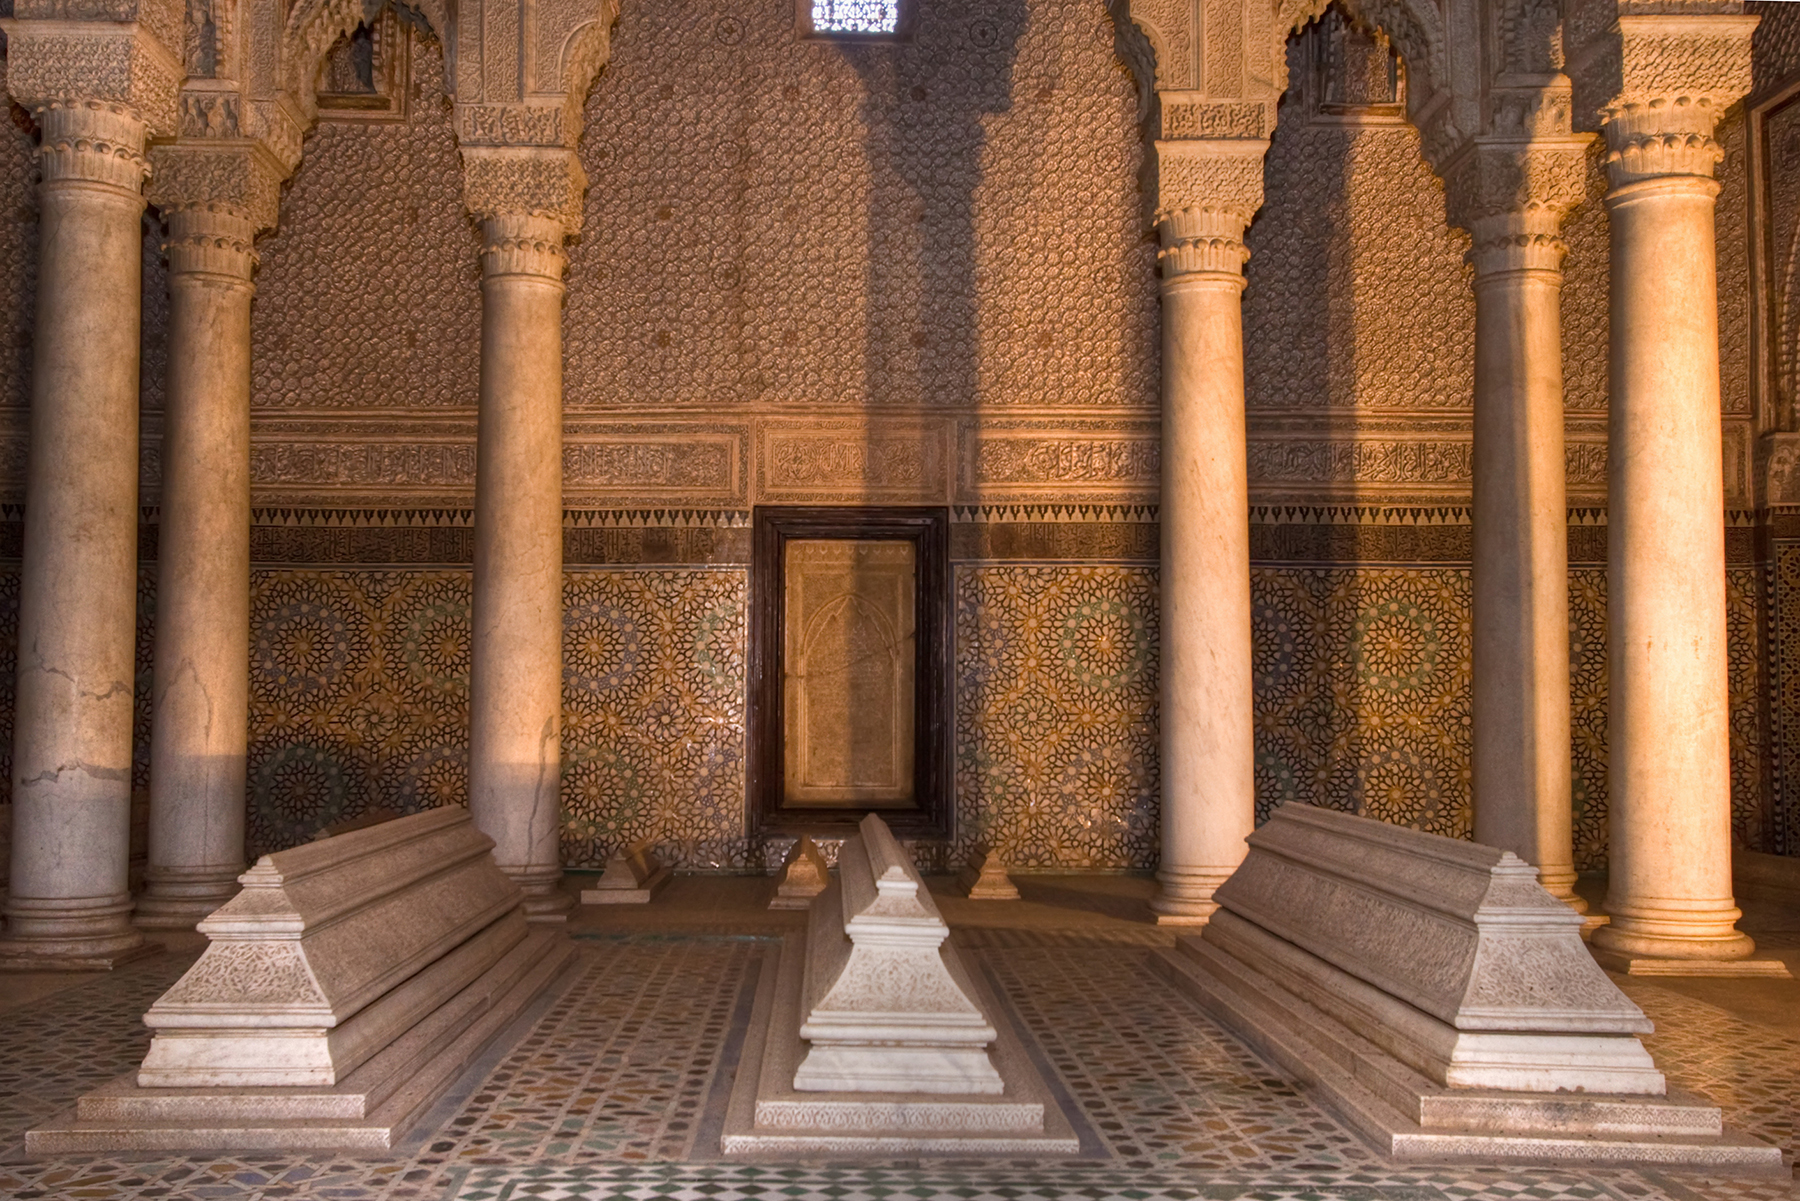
point(365, 464)
point(693, 468)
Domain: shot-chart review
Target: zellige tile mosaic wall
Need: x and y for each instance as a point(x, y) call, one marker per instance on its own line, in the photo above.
point(359, 700)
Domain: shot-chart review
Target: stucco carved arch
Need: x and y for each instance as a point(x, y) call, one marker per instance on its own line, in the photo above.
point(314, 27)
point(585, 52)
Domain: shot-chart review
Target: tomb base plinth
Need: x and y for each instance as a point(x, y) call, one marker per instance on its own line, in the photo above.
point(370, 1109)
point(769, 1118)
point(1405, 1115)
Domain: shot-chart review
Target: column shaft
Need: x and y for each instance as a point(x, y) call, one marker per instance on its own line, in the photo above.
point(1521, 569)
point(201, 715)
point(1208, 751)
point(71, 781)
point(515, 735)
point(1669, 780)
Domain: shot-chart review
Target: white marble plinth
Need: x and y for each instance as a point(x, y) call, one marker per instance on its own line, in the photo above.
point(1405, 1115)
point(371, 1109)
point(332, 951)
point(887, 1005)
point(1439, 999)
point(769, 1118)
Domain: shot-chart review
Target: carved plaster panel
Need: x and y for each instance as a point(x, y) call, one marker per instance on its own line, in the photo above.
point(1358, 296)
point(374, 213)
point(18, 253)
point(948, 222)
point(1022, 462)
point(848, 462)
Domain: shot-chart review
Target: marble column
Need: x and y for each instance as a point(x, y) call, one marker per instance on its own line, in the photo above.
point(1669, 780)
point(515, 730)
point(1522, 773)
point(70, 901)
point(200, 719)
point(1208, 752)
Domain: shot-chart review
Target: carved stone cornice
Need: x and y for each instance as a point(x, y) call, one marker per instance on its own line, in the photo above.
point(524, 181)
point(163, 20)
point(1208, 189)
point(217, 110)
point(518, 244)
point(1512, 195)
point(93, 66)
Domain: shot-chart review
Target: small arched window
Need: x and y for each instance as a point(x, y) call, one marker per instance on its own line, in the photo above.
point(880, 19)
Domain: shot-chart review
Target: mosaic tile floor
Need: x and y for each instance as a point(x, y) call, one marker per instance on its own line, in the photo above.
point(615, 1088)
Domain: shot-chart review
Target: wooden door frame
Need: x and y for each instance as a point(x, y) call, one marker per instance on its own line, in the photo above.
point(928, 529)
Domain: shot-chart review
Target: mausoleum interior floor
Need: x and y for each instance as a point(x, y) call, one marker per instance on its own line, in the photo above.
point(614, 1085)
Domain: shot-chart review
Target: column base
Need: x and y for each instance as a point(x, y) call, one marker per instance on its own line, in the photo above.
point(1701, 940)
point(1185, 895)
point(1562, 887)
point(180, 898)
point(545, 901)
point(1631, 965)
point(88, 934)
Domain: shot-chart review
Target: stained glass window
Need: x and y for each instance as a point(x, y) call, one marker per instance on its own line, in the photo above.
point(855, 16)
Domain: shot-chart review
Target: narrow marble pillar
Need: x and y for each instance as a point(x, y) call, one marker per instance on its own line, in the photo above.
point(1522, 774)
point(200, 719)
point(1208, 749)
point(70, 902)
point(515, 722)
point(1669, 779)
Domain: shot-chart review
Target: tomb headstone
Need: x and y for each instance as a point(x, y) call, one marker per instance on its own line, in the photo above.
point(632, 877)
point(803, 876)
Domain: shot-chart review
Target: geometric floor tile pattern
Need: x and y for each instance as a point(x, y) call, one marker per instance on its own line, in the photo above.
point(617, 1089)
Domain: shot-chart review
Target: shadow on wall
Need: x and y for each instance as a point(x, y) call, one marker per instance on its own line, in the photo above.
point(925, 135)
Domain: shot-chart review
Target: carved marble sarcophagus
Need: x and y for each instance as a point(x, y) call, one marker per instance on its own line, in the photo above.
point(1439, 1000)
point(348, 983)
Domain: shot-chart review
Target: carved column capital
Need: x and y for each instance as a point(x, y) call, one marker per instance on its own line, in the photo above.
point(524, 181)
point(1512, 195)
point(1207, 192)
point(216, 196)
point(522, 244)
point(1663, 81)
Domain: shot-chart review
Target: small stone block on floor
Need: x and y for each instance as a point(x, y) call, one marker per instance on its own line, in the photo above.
point(985, 878)
point(631, 878)
point(803, 876)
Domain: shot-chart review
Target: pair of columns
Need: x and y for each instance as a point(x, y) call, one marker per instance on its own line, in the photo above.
point(1670, 892)
point(70, 903)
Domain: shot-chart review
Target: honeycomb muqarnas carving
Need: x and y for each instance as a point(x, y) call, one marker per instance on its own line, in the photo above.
point(949, 219)
point(1357, 292)
point(369, 293)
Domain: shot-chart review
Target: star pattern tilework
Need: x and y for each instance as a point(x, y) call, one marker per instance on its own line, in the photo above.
point(1587, 714)
point(1056, 714)
point(1362, 698)
point(359, 697)
point(653, 715)
point(359, 700)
